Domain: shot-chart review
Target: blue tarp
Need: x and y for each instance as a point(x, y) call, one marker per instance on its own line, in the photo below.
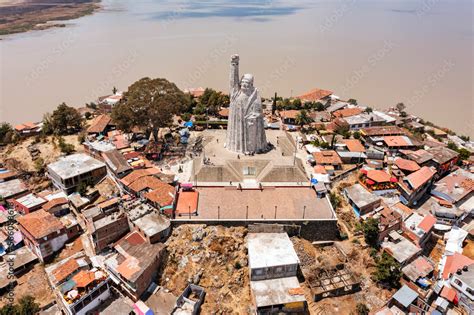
point(188, 124)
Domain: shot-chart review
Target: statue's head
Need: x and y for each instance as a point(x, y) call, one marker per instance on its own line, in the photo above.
point(247, 83)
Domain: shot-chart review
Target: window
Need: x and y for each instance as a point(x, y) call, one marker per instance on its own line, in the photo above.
point(470, 291)
point(258, 272)
point(458, 282)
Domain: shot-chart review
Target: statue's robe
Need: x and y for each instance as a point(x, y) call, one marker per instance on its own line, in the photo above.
point(246, 133)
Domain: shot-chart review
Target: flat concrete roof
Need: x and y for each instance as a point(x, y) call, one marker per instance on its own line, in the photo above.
point(275, 291)
point(270, 249)
point(361, 196)
point(74, 165)
point(271, 203)
point(11, 188)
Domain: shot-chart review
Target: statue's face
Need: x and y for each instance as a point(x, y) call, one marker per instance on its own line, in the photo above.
point(246, 85)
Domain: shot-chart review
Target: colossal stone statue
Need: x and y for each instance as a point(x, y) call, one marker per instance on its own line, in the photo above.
point(245, 131)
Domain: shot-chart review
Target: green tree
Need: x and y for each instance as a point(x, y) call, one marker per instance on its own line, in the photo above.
point(10, 309)
point(28, 306)
point(63, 120)
point(39, 165)
point(302, 118)
point(213, 101)
point(452, 146)
point(362, 309)
point(370, 227)
point(274, 104)
point(356, 134)
point(368, 110)
point(65, 147)
point(335, 199)
point(6, 133)
point(388, 271)
point(296, 103)
point(400, 107)
point(318, 106)
point(114, 90)
point(352, 101)
point(150, 103)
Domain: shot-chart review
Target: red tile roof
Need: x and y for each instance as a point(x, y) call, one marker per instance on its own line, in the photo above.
point(427, 223)
point(314, 95)
point(63, 271)
point(99, 124)
point(354, 145)
point(455, 262)
point(347, 112)
point(133, 176)
point(163, 195)
point(54, 203)
point(449, 293)
point(146, 182)
point(327, 157)
point(420, 177)
point(378, 176)
point(40, 223)
point(407, 165)
point(187, 202)
point(224, 112)
point(289, 114)
point(83, 278)
point(396, 141)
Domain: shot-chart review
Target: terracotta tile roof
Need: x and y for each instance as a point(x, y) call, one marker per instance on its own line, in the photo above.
point(397, 141)
point(163, 195)
point(403, 210)
point(54, 203)
point(109, 203)
point(120, 142)
point(354, 145)
point(378, 176)
point(63, 271)
point(26, 126)
point(135, 175)
point(224, 112)
point(319, 169)
point(187, 201)
point(40, 223)
point(289, 114)
point(382, 131)
point(99, 124)
point(83, 278)
point(327, 157)
point(420, 177)
point(146, 182)
point(455, 262)
point(427, 223)
point(315, 95)
point(347, 112)
point(7, 174)
point(448, 293)
point(407, 165)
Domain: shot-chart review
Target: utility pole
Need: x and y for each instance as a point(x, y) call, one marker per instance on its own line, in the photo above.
point(218, 212)
point(247, 214)
point(275, 212)
point(304, 211)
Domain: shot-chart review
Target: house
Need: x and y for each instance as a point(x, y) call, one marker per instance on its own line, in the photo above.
point(348, 157)
point(101, 125)
point(420, 156)
point(223, 113)
point(96, 148)
point(414, 186)
point(364, 120)
point(316, 95)
point(380, 131)
point(146, 184)
point(455, 263)
point(107, 229)
point(377, 180)
point(273, 265)
point(463, 282)
point(43, 233)
point(455, 188)
point(418, 228)
point(6, 175)
point(361, 200)
point(444, 159)
point(389, 220)
point(328, 158)
point(288, 117)
point(353, 145)
point(149, 223)
point(79, 286)
point(405, 299)
point(134, 264)
point(12, 189)
point(347, 112)
point(116, 163)
point(28, 129)
point(28, 203)
point(418, 270)
point(406, 166)
point(395, 143)
point(73, 170)
point(400, 248)
point(57, 206)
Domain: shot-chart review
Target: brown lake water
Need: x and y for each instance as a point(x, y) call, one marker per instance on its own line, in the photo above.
point(419, 52)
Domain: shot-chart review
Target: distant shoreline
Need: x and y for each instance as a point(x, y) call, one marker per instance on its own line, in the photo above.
point(20, 17)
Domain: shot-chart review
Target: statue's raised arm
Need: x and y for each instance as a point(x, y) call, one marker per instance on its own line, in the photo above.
point(234, 75)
